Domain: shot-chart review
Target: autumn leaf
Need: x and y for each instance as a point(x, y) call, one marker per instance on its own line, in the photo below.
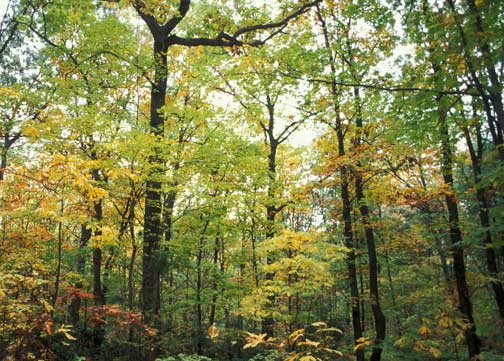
point(254, 340)
point(213, 332)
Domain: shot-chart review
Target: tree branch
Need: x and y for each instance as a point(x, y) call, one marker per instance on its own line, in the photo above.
point(227, 40)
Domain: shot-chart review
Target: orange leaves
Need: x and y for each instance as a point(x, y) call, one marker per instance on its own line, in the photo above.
point(73, 292)
point(213, 332)
point(122, 321)
point(424, 330)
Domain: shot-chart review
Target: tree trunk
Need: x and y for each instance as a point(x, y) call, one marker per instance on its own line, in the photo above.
point(457, 250)
point(3, 162)
point(211, 318)
point(131, 266)
point(151, 301)
point(484, 216)
point(344, 192)
point(58, 266)
point(74, 307)
point(379, 317)
point(97, 259)
point(348, 238)
point(271, 210)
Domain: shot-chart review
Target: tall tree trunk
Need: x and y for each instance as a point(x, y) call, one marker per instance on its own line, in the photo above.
point(151, 302)
point(97, 258)
point(213, 306)
point(168, 209)
point(131, 266)
point(3, 161)
point(131, 269)
point(457, 250)
point(271, 210)
point(484, 216)
point(379, 317)
point(58, 266)
point(352, 272)
point(199, 312)
point(344, 192)
point(74, 307)
point(200, 337)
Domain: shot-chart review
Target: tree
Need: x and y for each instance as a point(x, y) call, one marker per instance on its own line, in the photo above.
point(162, 23)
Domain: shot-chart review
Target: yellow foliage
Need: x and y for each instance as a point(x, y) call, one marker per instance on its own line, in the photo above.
point(254, 340)
point(424, 330)
point(445, 321)
point(213, 332)
point(310, 343)
point(64, 329)
point(435, 352)
point(420, 346)
point(308, 358)
point(295, 335)
point(31, 132)
point(361, 343)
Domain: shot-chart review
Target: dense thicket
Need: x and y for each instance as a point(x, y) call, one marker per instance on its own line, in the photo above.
point(238, 180)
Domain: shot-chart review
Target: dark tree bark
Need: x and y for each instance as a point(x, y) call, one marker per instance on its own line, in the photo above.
point(58, 266)
point(379, 317)
point(97, 251)
point(271, 210)
point(484, 216)
point(213, 306)
point(164, 37)
point(457, 248)
point(131, 266)
point(151, 302)
point(490, 94)
point(75, 304)
point(200, 337)
point(338, 126)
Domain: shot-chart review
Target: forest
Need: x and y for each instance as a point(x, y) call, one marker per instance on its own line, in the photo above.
point(291, 180)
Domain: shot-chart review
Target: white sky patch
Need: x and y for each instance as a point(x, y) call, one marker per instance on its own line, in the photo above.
point(3, 8)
